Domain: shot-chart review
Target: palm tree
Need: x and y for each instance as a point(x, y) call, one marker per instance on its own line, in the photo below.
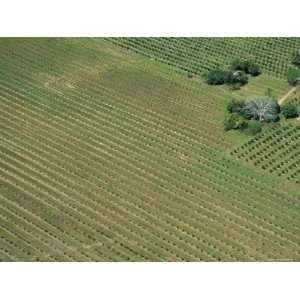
point(263, 109)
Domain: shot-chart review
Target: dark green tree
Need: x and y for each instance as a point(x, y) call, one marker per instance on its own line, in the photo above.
point(237, 78)
point(254, 70)
point(235, 121)
point(238, 64)
point(235, 106)
point(296, 58)
point(246, 65)
point(216, 77)
point(294, 76)
point(289, 110)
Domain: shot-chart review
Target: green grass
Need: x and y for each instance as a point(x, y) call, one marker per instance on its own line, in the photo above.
point(109, 156)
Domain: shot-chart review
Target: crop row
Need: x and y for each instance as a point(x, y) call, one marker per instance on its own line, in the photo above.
point(30, 122)
point(276, 151)
point(103, 166)
point(196, 55)
point(132, 128)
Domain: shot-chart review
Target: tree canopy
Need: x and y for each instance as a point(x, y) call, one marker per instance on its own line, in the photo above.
point(296, 58)
point(246, 65)
point(216, 77)
point(236, 75)
point(235, 106)
point(294, 76)
point(289, 110)
point(235, 121)
point(263, 109)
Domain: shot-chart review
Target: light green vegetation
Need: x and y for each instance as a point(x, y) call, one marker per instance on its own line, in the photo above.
point(196, 55)
point(109, 156)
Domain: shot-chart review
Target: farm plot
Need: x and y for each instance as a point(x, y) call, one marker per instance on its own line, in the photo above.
point(196, 55)
point(107, 156)
point(275, 151)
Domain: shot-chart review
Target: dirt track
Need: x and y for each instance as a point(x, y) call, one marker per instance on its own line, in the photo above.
point(291, 91)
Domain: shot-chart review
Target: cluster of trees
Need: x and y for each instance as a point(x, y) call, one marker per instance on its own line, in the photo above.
point(236, 76)
point(219, 76)
point(236, 121)
point(248, 66)
point(249, 115)
point(294, 73)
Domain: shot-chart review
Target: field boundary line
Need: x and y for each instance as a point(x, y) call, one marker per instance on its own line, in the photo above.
point(291, 91)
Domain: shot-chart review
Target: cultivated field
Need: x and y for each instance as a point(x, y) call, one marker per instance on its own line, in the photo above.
point(196, 55)
point(276, 151)
point(107, 155)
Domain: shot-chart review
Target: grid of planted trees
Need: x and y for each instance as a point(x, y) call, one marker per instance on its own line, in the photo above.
point(276, 151)
point(197, 55)
point(95, 169)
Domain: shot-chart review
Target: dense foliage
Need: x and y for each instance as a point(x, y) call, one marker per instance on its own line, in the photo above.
point(235, 121)
point(216, 77)
point(246, 65)
point(248, 115)
point(294, 76)
point(235, 106)
point(236, 75)
point(263, 109)
point(296, 58)
point(289, 110)
point(235, 79)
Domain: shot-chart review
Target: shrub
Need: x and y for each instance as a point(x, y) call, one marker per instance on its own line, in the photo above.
point(234, 78)
point(263, 109)
point(296, 58)
point(246, 65)
point(294, 76)
point(254, 70)
point(254, 127)
point(289, 110)
point(216, 77)
point(239, 64)
point(237, 78)
point(234, 121)
point(235, 106)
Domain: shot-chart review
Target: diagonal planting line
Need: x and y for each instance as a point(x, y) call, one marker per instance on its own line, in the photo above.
point(291, 91)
